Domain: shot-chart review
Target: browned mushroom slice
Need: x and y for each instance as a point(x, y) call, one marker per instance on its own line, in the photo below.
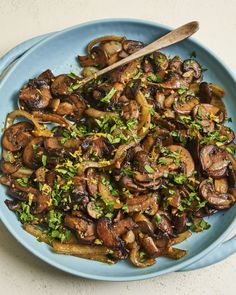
point(215, 199)
point(160, 60)
point(205, 92)
point(184, 157)
point(163, 223)
point(42, 202)
point(221, 185)
point(144, 224)
point(79, 106)
point(185, 105)
point(29, 151)
point(64, 108)
point(17, 136)
point(91, 211)
point(214, 161)
point(128, 183)
point(106, 234)
point(9, 168)
point(84, 228)
point(46, 76)
point(175, 65)
point(123, 226)
point(150, 247)
point(151, 185)
point(207, 115)
point(194, 66)
point(179, 222)
point(61, 85)
point(35, 95)
point(136, 259)
point(227, 133)
point(144, 203)
point(130, 110)
point(13, 205)
point(125, 73)
point(106, 53)
point(141, 161)
point(175, 82)
point(92, 178)
point(131, 46)
point(97, 147)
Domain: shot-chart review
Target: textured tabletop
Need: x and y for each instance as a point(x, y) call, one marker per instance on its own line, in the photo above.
point(21, 272)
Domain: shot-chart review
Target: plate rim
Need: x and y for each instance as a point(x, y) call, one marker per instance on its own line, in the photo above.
point(220, 239)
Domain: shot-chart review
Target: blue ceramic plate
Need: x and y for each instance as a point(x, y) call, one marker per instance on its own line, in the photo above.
point(58, 52)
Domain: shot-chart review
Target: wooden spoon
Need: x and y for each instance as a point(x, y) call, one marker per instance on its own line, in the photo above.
point(170, 38)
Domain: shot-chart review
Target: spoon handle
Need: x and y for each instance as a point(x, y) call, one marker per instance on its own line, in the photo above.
point(170, 38)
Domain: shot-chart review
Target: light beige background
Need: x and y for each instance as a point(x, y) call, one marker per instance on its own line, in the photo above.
point(22, 273)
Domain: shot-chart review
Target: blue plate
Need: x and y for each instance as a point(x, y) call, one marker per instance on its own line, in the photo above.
point(58, 52)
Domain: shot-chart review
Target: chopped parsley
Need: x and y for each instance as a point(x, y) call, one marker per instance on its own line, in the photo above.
point(149, 169)
point(154, 78)
point(44, 160)
point(109, 95)
point(23, 181)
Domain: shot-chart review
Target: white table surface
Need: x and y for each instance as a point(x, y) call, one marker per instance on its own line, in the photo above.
point(20, 271)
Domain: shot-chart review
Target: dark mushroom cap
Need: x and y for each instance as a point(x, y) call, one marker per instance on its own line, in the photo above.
point(192, 65)
point(61, 84)
point(35, 95)
point(219, 201)
point(214, 161)
point(17, 136)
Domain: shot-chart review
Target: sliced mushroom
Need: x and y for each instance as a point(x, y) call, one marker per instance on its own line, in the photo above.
point(84, 228)
point(174, 82)
point(29, 151)
point(128, 183)
point(46, 76)
point(123, 226)
point(130, 110)
point(184, 157)
point(17, 136)
point(13, 205)
point(175, 65)
point(214, 161)
point(184, 106)
point(144, 224)
point(131, 46)
point(143, 203)
point(217, 200)
point(207, 115)
point(79, 106)
point(35, 95)
point(163, 224)
point(135, 257)
point(221, 185)
point(92, 178)
point(125, 73)
point(160, 60)
point(42, 202)
point(179, 222)
point(192, 65)
point(205, 92)
point(227, 133)
point(107, 235)
point(150, 247)
point(61, 84)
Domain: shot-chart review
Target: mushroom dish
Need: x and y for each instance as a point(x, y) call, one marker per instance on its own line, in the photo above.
point(125, 166)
